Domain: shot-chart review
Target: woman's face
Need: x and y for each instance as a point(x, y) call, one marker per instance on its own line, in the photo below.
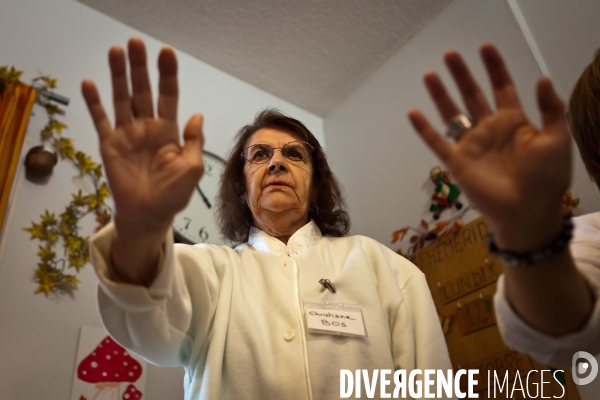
point(280, 185)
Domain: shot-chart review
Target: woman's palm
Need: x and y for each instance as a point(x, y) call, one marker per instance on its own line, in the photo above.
point(151, 175)
point(506, 164)
point(514, 173)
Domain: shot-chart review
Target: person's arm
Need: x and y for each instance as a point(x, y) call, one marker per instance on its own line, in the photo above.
point(136, 253)
point(516, 175)
point(151, 176)
point(551, 297)
point(164, 321)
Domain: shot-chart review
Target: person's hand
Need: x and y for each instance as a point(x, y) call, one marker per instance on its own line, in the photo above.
point(513, 172)
point(151, 176)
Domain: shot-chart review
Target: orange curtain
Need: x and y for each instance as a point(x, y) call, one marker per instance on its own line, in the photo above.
point(15, 108)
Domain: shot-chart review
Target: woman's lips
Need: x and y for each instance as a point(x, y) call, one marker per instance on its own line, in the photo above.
point(278, 183)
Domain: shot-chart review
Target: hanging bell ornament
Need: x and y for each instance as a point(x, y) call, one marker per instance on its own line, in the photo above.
point(40, 161)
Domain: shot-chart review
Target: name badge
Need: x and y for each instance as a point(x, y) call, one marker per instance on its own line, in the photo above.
point(334, 319)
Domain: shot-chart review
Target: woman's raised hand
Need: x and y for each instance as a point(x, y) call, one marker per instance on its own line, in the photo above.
point(151, 176)
point(513, 172)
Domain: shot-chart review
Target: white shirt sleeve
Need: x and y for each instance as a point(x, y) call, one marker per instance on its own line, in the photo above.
point(153, 322)
point(559, 351)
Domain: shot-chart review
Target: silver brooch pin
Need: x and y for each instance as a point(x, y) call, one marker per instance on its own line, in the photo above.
point(327, 285)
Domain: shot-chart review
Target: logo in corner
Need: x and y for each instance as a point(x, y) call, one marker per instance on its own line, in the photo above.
point(584, 368)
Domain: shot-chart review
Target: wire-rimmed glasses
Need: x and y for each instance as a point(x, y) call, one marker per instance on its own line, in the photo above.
point(262, 153)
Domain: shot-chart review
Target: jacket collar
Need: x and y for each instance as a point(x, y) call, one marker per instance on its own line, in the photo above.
point(304, 238)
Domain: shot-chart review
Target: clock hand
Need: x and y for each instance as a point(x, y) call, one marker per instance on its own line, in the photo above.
point(203, 197)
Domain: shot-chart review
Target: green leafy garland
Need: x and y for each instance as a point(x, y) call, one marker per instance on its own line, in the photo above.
point(51, 274)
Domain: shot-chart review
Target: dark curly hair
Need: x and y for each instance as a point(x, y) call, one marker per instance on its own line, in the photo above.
point(327, 209)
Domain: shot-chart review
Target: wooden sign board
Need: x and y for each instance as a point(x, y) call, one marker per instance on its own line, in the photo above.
point(462, 275)
point(475, 315)
point(474, 279)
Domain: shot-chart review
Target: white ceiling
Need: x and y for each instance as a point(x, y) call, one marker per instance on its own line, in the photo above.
point(311, 53)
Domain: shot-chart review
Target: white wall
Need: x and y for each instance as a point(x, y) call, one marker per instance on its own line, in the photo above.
point(70, 41)
point(567, 34)
point(382, 163)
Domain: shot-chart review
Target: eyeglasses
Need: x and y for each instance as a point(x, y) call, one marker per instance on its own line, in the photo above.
point(262, 153)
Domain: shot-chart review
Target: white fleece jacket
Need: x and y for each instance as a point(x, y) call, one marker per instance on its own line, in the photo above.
point(233, 318)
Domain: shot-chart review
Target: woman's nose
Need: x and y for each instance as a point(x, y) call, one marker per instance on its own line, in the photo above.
point(277, 162)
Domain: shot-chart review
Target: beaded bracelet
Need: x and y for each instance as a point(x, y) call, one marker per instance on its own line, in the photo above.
point(539, 256)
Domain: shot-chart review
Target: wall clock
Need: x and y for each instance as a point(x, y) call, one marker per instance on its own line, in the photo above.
point(196, 223)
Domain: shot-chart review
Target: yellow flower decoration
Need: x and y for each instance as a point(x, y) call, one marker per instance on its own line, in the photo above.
point(50, 275)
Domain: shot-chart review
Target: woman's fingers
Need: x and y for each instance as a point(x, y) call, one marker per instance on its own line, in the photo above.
point(505, 93)
point(141, 99)
point(472, 95)
point(440, 146)
point(139, 104)
point(121, 100)
point(437, 91)
point(94, 105)
point(552, 107)
point(167, 86)
point(193, 138)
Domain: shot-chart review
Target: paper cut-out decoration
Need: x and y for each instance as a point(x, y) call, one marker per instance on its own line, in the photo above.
point(446, 193)
point(426, 234)
point(131, 393)
point(105, 370)
point(108, 366)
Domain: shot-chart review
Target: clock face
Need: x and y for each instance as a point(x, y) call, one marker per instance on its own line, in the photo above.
point(196, 223)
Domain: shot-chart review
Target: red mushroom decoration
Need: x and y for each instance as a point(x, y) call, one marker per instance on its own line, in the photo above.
point(131, 393)
point(108, 366)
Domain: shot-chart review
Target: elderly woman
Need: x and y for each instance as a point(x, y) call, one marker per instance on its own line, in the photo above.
point(237, 319)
